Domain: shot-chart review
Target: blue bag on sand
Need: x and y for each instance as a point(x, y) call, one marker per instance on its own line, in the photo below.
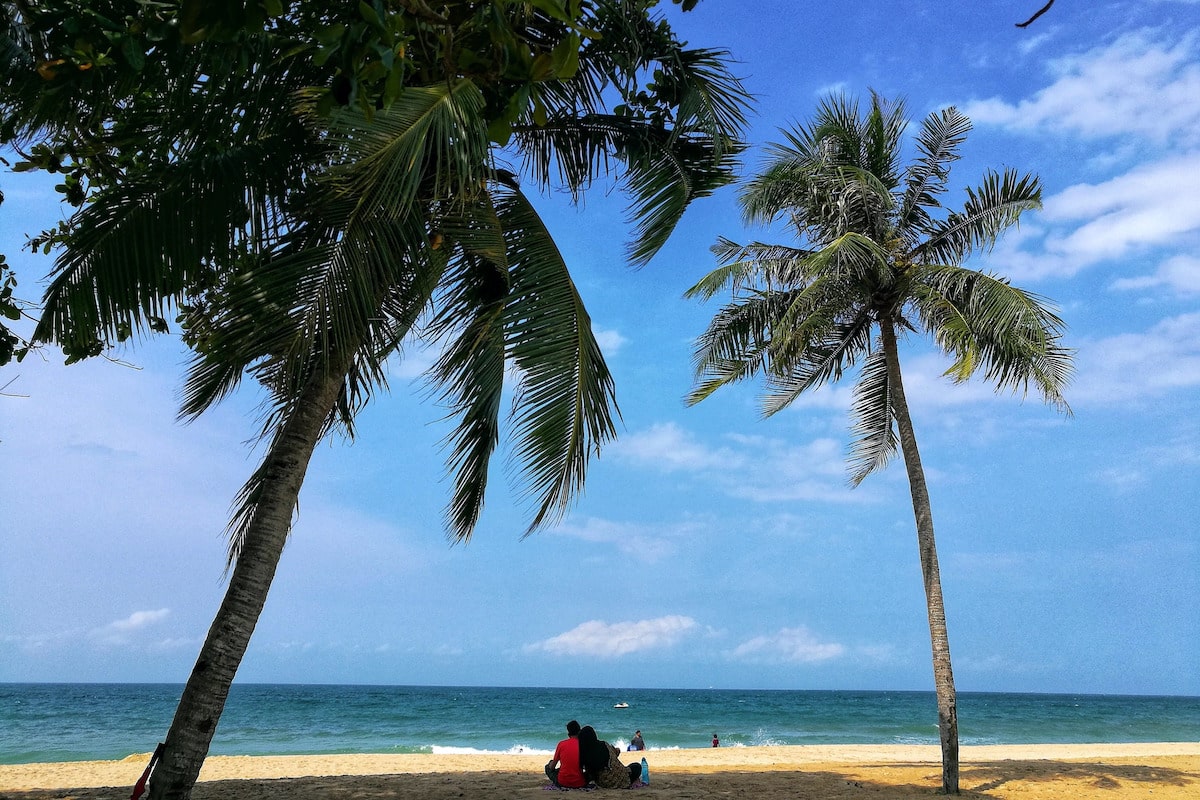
point(645, 772)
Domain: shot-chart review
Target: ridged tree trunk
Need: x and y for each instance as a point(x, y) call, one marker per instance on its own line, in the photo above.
point(207, 688)
point(943, 674)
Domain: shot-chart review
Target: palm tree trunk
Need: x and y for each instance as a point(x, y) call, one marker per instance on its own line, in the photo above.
point(943, 674)
point(207, 689)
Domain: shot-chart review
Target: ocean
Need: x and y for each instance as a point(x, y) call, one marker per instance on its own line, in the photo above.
point(77, 722)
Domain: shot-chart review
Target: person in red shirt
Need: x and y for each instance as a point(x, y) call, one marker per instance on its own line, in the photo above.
point(564, 768)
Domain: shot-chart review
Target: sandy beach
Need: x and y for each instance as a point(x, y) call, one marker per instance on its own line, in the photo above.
point(1031, 772)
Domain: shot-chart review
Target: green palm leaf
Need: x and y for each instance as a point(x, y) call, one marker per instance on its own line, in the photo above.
point(872, 414)
point(938, 141)
point(985, 323)
point(827, 348)
point(565, 404)
point(431, 143)
point(736, 344)
point(995, 205)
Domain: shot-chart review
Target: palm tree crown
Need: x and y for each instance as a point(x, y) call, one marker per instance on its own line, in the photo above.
point(873, 250)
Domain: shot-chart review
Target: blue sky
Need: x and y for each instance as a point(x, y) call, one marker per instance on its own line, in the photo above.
point(711, 547)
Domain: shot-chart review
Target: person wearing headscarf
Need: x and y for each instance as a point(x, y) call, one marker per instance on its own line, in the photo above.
point(602, 762)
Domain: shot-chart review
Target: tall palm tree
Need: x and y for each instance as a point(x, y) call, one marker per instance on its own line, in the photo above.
point(303, 245)
point(874, 262)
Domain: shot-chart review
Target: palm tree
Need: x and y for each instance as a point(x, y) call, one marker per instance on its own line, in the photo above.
point(874, 262)
point(303, 245)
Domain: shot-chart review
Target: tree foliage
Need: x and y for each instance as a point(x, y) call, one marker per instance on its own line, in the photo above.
point(240, 169)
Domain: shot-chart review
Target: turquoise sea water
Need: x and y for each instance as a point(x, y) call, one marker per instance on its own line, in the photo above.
point(69, 722)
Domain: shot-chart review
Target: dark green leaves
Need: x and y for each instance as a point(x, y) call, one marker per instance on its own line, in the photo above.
point(303, 186)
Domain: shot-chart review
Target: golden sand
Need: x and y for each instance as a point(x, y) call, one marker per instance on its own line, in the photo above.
point(1026, 772)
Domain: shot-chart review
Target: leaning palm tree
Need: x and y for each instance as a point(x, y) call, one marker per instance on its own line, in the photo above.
point(875, 262)
point(304, 242)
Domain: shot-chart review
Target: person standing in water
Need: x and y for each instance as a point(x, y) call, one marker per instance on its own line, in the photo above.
point(637, 743)
point(716, 741)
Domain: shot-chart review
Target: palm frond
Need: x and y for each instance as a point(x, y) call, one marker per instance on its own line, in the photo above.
point(138, 249)
point(565, 405)
point(985, 323)
point(873, 417)
point(664, 175)
point(470, 371)
point(710, 99)
point(471, 375)
point(941, 134)
point(749, 265)
point(994, 206)
point(785, 186)
point(431, 142)
point(881, 141)
point(735, 346)
point(828, 350)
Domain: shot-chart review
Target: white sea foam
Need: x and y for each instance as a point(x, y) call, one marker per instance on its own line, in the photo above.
point(515, 750)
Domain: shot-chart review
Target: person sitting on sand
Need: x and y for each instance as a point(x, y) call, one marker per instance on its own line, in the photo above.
point(602, 762)
point(638, 743)
point(564, 769)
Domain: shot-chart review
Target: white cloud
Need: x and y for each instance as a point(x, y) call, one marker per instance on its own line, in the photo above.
point(1138, 366)
point(669, 448)
point(751, 467)
point(1136, 85)
point(1027, 46)
point(1152, 205)
point(1180, 274)
point(118, 631)
point(840, 87)
point(610, 341)
point(1141, 95)
point(599, 639)
point(788, 645)
point(1122, 479)
point(649, 543)
point(1183, 449)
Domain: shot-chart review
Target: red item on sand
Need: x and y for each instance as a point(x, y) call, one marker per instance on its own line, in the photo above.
point(140, 786)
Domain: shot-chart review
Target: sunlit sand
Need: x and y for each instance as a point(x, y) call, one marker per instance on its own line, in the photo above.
point(1039, 772)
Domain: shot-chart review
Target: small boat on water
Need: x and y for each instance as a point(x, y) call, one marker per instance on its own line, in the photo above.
point(621, 705)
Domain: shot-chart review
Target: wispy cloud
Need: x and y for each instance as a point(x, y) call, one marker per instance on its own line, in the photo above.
point(1149, 206)
point(1139, 97)
point(1180, 274)
point(1139, 366)
point(1137, 85)
point(669, 447)
point(598, 639)
point(645, 542)
point(119, 631)
point(610, 341)
point(788, 645)
point(751, 467)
